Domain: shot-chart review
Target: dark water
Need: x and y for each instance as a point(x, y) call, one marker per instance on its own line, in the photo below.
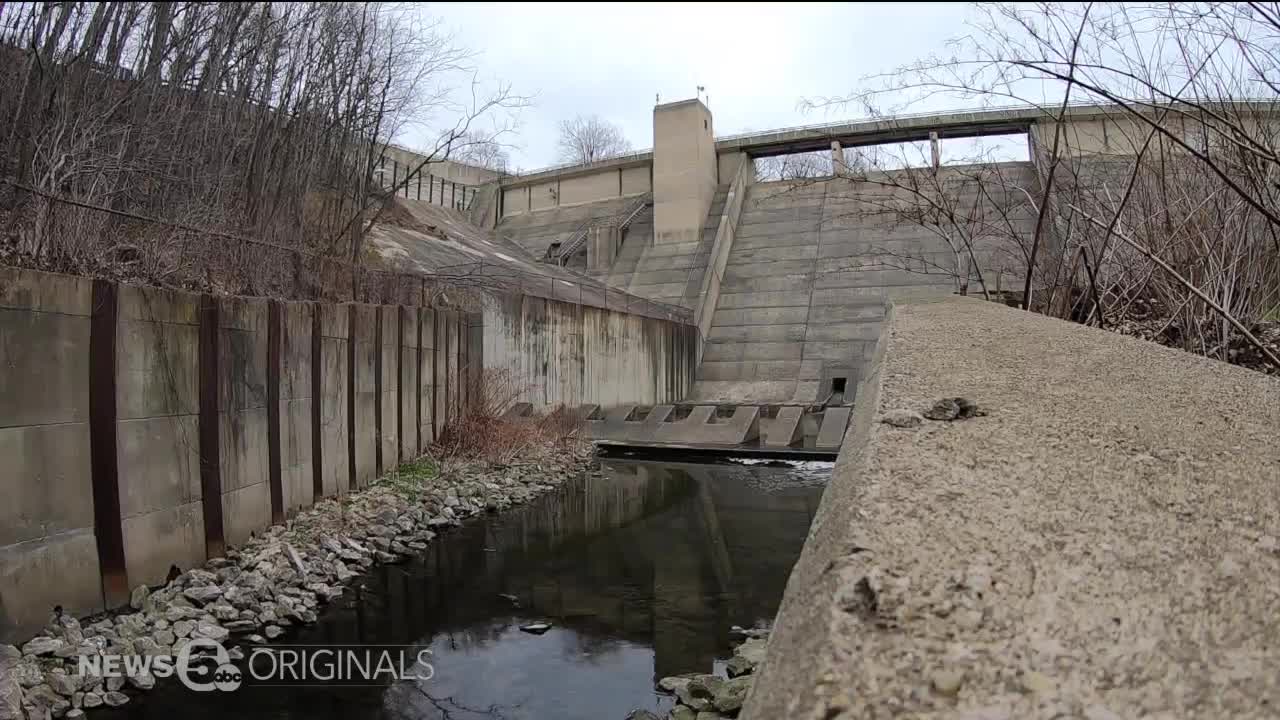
point(641, 571)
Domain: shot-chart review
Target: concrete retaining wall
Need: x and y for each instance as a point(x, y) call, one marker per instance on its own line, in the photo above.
point(565, 354)
point(144, 429)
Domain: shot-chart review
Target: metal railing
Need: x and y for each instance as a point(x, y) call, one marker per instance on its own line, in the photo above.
point(635, 211)
point(579, 237)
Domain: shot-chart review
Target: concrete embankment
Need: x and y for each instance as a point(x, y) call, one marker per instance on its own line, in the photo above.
point(146, 428)
point(280, 579)
point(1101, 543)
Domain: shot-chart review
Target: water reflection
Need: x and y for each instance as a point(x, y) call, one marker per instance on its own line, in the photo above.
point(641, 570)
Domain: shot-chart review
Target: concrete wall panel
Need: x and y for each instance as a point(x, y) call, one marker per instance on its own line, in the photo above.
point(48, 553)
point(296, 480)
point(426, 372)
point(335, 473)
point(408, 385)
point(157, 540)
point(45, 357)
point(636, 180)
point(35, 576)
point(567, 354)
point(363, 334)
point(589, 188)
point(242, 418)
point(390, 386)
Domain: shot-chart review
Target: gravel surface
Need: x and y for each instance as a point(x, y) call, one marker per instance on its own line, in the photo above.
point(1101, 544)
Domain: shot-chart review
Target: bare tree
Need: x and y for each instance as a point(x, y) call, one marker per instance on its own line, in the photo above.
point(484, 151)
point(586, 139)
point(796, 166)
point(133, 132)
point(1163, 215)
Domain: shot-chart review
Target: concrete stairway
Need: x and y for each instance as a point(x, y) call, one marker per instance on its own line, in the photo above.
point(669, 272)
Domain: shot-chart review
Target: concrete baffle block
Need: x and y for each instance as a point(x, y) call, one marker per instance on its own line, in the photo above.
point(784, 429)
point(831, 431)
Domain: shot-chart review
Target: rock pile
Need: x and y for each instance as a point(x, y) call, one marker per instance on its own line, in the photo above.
point(278, 580)
point(711, 697)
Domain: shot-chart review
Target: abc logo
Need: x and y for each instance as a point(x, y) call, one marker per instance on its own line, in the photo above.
point(227, 677)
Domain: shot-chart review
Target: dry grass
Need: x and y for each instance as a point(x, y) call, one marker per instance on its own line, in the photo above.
point(483, 433)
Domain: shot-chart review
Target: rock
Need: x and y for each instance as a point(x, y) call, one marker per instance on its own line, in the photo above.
point(174, 613)
point(752, 651)
point(142, 681)
point(537, 628)
point(29, 674)
point(385, 558)
point(211, 631)
point(697, 704)
point(222, 611)
point(10, 689)
point(183, 628)
point(166, 637)
point(43, 646)
point(957, 408)
point(138, 599)
point(296, 560)
point(74, 714)
point(255, 639)
point(198, 577)
point(146, 646)
point(92, 699)
point(675, 682)
point(240, 625)
point(738, 666)
point(273, 631)
point(229, 574)
point(331, 545)
point(947, 682)
point(944, 409)
point(642, 715)
point(42, 699)
point(114, 683)
point(203, 595)
point(1268, 543)
point(62, 683)
point(116, 699)
point(902, 418)
point(708, 715)
point(699, 691)
point(681, 712)
point(729, 696)
point(1037, 683)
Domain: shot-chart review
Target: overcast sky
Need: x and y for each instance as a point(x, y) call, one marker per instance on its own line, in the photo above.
point(757, 61)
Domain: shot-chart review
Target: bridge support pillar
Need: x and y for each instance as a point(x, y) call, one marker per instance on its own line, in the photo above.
point(684, 171)
point(839, 165)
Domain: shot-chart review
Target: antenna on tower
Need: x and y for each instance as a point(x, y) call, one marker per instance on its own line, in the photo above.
point(701, 89)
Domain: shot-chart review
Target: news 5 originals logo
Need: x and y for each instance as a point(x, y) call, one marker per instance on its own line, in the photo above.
point(204, 665)
point(193, 668)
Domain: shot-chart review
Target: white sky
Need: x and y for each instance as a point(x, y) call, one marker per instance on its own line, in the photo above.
point(757, 61)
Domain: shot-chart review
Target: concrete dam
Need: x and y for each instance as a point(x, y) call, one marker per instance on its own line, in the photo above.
point(1109, 505)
